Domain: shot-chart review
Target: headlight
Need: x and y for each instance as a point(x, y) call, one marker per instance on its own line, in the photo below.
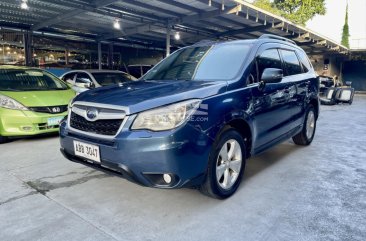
point(165, 118)
point(9, 103)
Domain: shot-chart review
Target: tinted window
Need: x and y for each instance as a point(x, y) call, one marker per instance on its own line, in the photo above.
point(138, 71)
point(291, 62)
point(29, 80)
point(83, 78)
point(219, 62)
point(112, 78)
point(69, 77)
point(304, 61)
point(268, 59)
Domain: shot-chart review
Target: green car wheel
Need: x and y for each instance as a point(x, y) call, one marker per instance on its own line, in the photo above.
point(3, 139)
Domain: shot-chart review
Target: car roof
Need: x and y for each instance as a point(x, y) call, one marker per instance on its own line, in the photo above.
point(91, 71)
point(97, 70)
point(211, 43)
point(256, 42)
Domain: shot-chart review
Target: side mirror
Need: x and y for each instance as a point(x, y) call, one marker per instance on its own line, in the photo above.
point(272, 75)
point(89, 85)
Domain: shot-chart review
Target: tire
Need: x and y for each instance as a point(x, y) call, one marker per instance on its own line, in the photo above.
point(3, 139)
point(225, 171)
point(306, 136)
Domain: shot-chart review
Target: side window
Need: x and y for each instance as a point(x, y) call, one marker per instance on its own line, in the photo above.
point(68, 77)
point(268, 59)
point(291, 62)
point(83, 78)
point(305, 62)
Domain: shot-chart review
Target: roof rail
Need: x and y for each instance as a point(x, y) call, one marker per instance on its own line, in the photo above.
point(272, 36)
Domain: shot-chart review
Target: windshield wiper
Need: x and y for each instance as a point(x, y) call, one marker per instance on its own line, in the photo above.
point(185, 79)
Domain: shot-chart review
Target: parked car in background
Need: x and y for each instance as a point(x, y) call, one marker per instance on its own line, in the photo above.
point(32, 101)
point(138, 70)
point(82, 80)
point(195, 118)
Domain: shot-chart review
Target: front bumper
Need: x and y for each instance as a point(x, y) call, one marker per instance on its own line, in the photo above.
point(144, 156)
point(15, 123)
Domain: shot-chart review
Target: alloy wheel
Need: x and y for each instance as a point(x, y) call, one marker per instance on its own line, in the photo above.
point(228, 164)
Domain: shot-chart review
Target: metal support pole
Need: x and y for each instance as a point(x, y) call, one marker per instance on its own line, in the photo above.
point(3, 54)
point(67, 56)
point(27, 40)
point(110, 56)
point(341, 72)
point(99, 55)
point(168, 30)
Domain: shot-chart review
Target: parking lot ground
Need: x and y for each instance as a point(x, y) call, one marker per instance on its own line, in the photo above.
point(288, 193)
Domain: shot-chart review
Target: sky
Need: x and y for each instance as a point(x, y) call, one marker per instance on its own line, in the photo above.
point(330, 25)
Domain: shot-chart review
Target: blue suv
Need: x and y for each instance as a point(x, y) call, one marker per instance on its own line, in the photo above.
point(194, 119)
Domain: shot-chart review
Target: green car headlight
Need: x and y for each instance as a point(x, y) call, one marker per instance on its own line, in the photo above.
point(9, 103)
point(165, 118)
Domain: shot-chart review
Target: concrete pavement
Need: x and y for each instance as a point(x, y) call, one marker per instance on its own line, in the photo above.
point(288, 193)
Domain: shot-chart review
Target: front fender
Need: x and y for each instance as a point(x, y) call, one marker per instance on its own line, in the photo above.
point(220, 110)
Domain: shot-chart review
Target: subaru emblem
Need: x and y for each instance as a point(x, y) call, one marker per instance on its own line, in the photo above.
point(92, 113)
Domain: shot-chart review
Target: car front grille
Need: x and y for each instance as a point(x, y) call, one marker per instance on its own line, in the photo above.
point(101, 127)
point(49, 109)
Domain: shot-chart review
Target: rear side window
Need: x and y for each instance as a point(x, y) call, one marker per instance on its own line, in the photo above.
point(304, 61)
point(106, 78)
point(291, 61)
point(268, 59)
point(68, 77)
point(83, 78)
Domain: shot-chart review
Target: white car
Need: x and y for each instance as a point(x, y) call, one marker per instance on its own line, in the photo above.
point(82, 80)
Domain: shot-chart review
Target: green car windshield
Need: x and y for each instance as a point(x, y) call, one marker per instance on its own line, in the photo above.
point(29, 80)
point(219, 62)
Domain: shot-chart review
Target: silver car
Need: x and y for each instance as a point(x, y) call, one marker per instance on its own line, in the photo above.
point(82, 80)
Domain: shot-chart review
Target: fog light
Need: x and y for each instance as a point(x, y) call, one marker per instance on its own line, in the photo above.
point(27, 128)
point(167, 178)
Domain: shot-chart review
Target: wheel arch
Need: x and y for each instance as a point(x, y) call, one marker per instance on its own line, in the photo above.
point(244, 129)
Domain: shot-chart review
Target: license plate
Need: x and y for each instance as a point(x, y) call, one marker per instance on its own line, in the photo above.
point(90, 152)
point(54, 121)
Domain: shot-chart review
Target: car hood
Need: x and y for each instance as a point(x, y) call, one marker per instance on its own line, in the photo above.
point(41, 98)
point(143, 95)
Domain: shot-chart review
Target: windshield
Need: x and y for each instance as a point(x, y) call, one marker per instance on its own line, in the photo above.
point(220, 62)
point(29, 80)
point(105, 79)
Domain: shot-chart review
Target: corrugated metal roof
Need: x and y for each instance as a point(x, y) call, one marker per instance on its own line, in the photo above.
point(147, 21)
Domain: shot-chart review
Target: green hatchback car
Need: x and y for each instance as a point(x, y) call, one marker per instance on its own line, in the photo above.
point(32, 102)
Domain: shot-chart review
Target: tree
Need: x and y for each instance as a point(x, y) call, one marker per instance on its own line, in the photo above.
point(268, 6)
point(297, 11)
point(345, 32)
